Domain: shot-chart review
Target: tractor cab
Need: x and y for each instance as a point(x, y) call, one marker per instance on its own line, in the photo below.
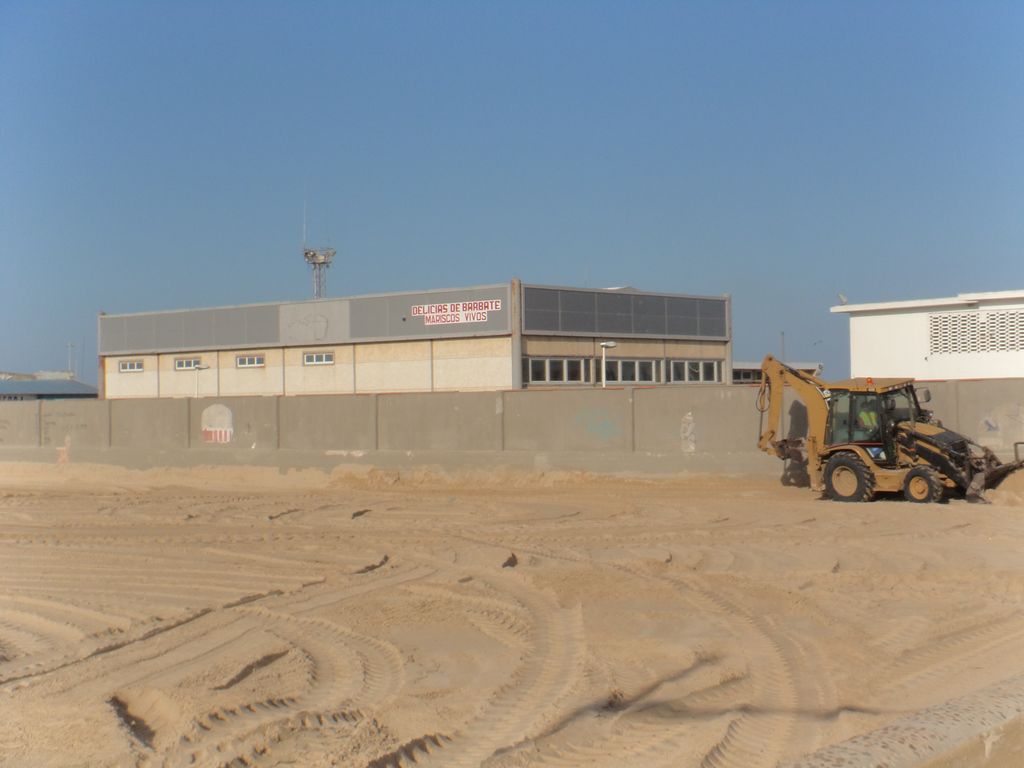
point(866, 414)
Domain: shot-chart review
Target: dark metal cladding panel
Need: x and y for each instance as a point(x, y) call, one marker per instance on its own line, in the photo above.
point(682, 317)
point(682, 307)
point(542, 299)
point(609, 323)
point(712, 317)
point(649, 314)
point(614, 303)
point(712, 326)
point(578, 322)
point(679, 325)
point(541, 320)
point(578, 301)
point(712, 308)
point(540, 309)
point(615, 313)
point(622, 313)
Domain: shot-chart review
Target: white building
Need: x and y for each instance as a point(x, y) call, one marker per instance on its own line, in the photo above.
point(969, 336)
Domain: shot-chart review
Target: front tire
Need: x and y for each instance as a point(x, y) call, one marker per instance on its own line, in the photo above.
point(922, 486)
point(847, 478)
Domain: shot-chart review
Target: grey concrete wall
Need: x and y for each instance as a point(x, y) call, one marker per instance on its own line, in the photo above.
point(711, 427)
point(569, 420)
point(19, 423)
point(75, 423)
point(992, 413)
point(240, 423)
point(702, 420)
point(329, 422)
point(466, 421)
point(149, 424)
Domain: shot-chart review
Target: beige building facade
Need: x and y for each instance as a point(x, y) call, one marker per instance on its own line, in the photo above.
point(505, 336)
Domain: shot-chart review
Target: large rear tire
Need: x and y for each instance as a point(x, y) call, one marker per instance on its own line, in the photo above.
point(922, 486)
point(847, 478)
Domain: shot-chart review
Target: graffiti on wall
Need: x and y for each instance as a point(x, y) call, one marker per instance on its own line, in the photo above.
point(310, 328)
point(217, 424)
point(1001, 427)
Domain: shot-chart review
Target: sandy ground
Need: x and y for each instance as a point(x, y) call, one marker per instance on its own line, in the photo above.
point(244, 617)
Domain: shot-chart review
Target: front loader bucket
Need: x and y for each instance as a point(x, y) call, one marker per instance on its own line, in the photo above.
point(990, 478)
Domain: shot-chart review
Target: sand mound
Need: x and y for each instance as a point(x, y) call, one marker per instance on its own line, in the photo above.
point(1010, 491)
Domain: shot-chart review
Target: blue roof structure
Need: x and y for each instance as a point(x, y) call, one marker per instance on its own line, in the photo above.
point(46, 388)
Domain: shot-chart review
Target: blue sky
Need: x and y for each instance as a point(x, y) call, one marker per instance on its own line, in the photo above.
point(158, 155)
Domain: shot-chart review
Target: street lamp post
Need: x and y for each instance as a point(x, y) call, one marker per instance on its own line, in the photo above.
point(605, 346)
point(197, 369)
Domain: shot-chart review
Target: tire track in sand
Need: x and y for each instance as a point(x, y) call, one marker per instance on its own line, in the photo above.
point(243, 729)
point(782, 679)
point(533, 697)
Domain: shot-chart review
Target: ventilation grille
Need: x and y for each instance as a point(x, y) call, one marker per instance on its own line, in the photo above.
point(952, 333)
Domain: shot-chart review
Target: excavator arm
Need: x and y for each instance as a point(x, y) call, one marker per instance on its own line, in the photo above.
point(814, 393)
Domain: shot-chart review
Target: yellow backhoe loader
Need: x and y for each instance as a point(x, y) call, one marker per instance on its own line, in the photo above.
point(866, 436)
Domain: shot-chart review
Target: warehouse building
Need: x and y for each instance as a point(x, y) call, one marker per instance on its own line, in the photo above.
point(489, 337)
point(44, 385)
point(968, 336)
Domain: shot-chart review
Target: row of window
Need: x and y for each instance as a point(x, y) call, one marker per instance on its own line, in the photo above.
point(745, 376)
point(241, 361)
point(536, 370)
point(569, 370)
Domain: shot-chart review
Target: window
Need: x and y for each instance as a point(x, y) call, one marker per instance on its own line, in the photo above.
point(703, 371)
point(538, 370)
point(838, 418)
point(864, 409)
point(611, 370)
point(130, 366)
point(899, 406)
point(318, 358)
point(187, 363)
point(574, 370)
point(556, 370)
point(249, 361)
point(627, 371)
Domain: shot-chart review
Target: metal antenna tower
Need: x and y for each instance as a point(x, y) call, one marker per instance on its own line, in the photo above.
point(319, 259)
